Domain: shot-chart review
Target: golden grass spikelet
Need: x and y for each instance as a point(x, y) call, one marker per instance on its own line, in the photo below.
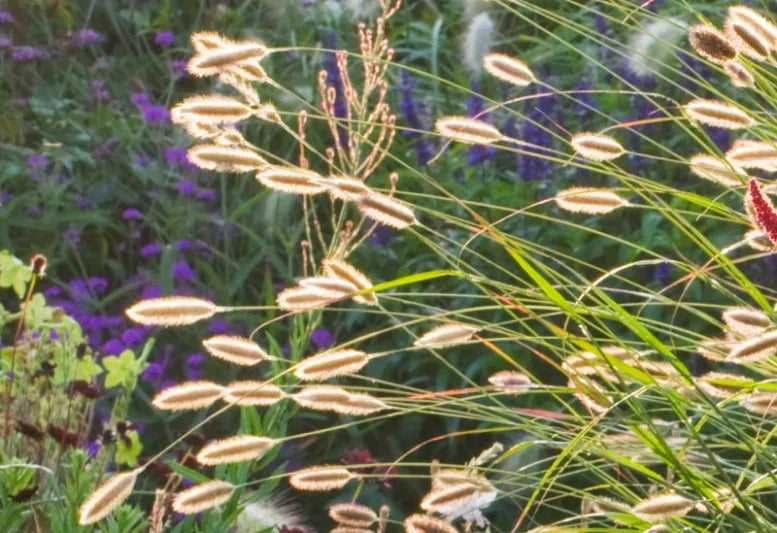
point(757, 349)
point(451, 496)
point(712, 45)
point(468, 130)
point(189, 395)
point(718, 114)
point(661, 507)
point(446, 335)
point(352, 514)
point(291, 180)
point(210, 109)
point(203, 496)
point(204, 41)
point(510, 381)
point(508, 69)
point(346, 529)
point(386, 210)
point(320, 478)
point(715, 349)
point(171, 311)
point(746, 320)
point(753, 154)
point(713, 169)
point(107, 497)
point(250, 71)
point(360, 404)
point(720, 384)
point(738, 74)
point(597, 147)
point(303, 299)
point(331, 364)
point(340, 269)
point(746, 39)
point(214, 61)
point(418, 523)
point(331, 287)
point(234, 449)
point(765, 28)
point(589, 200)
point(225, 158)
point(253, 393)
point(237, 350)
point(346, 188)
point(321, 397)
point(759, 241)
point(761, 403)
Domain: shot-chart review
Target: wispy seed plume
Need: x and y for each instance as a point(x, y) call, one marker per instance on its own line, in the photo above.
point(320, 478)
point(190, 395)
point(107, 497)
point(597, 147)
point(509, 69)
point(589, 200)
point(202, 497)
point(171, 311)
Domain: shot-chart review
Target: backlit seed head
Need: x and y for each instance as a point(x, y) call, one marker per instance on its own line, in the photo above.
point(510, 381)
point(330, 364)
point(459, 498)
point(253, 393)
point(249, 71)
point(746, 321)
point(205, 41)
point(589, 200)
point(360, 405)
point(320, 478)
point(746, 39)
point(236, 350)
point(171, 311)
point(107, 497)
point(760, 403)
point(446, 335)
point(203, 496)
point(765, 28)
point(210, 109)
point(662, 507)
point(234, 450)
point(756, 349)
point(711, 44)
point(332, 287)
point(468, 130)
point(419, 523)
point(348, 529)
point(346, 188)
point(718, 114)
point(753, 154)
point(739, 75)
point(292, 180)
point(717, 350)
point(386, 210)
point(214, 61)
point(722, 385)
point(508, 69)
point(352, 514)
point(713, 169)
point(304, 299)
point(336, 268)
point(225, 158)
point(321, 397)
point(189, 395)
point(757, 240)
point(597, 147)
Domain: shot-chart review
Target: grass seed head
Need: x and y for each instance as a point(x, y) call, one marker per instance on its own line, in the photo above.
point(722, 385)
point(320, 478)
point(225, 158)
point(756, 349)
point(107, 497)
point(210, 109)
point(171, 311)
point(237, 350)
point(360, 404)
point(738, 74)
point(304, 298)
point(589, 200)
point(386, 210)
point(509, 69)
point(336, 268)
point(718, 114)
point(206, 41)
point(510, 381)
point(352, 514)
point(711, 44)
point(291, 180)
point(419, 523)
point(760, 403)
point(753, 154)
point(321, 397)
point(765, 28)
point(189, 395)
point(759, 241)
point(252, 393)
point(331, 364)
point(468, 130)
point(234, 450)
point(713, 169)
point(662, 507)
point(746, 39)
point(210, 62)
point(746, 321)
point(446, 335)
point(331, 287)
point(346, 188)
point(597, 147)
point(202, 497)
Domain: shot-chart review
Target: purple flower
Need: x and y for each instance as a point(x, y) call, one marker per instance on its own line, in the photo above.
point(155, 114)
point(218, 327)
point(37, 165)
point(206, 195)
point(186, 188)
point(382, 235)
point(105, 149)
point(52, 292)
point(478, 154)
point(193, 366)
point(143, 160)
point(177, 157)
point(5, 42)
point(662, 273)
point(92, 448)
point(100, 93)
point(87, 37)
point(164, 39)
point(182, 271)
point(151, 291)
point(153, 372)
point(150, 250)
point(178, 68)
point(140, 99)
point(83, 203)
point(131, 214)
point(411, 113)
point(6, 18)
point(184, 245)
point(97, 284)
point(113, 347)
point(72, 235)
point(322, 338)
point(133, 336)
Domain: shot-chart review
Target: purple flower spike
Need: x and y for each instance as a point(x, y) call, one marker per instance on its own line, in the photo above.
point(150, 250)
point(25, 54)
point(6, 18)
point(37, 165)
point(131, 214)
point(140, 99)
point(113, 347)
point(322, 338)
point(178, 68)
point(164, 39)
point(186, 188)
point(182, 271)
point(87, 37)
point(153, 372)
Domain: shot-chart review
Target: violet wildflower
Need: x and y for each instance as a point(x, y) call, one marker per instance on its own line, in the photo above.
point(218, 327)
point(662, 273)
point(155, 114)
point(186, 188)
point(5, 42)
point(151, 291)
point(382, 235)
point(153, 372)
point(150, 250)
point(140, 99)
point(532, 131)
point(206, 195)
point(143, 160)
point(411, 113)
point(52, 292)
point(113, 347)
point(194, 369)
point(178, 68)
point(97, 284)
point(334, 80)
point(72, 235)
point(164, 39)
point(133, 336)
point(37, 165)
point(25, 54)
point(87, 37)
point(322, 338)
point(131, 213)
point(100, 93)
point(176, 156)
point(83, 202)
point(92, 448)
point(105, 149)
point(6, 18)
point(182, 271)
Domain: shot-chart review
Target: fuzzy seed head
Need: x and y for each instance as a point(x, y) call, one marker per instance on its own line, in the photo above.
point(446, 335)
point(291, 180)
point(234, 450)
point(753, 154)
point(107, 497)
point(711, 44)
point(252, 393)
point(468, 130)
point(589, 200)
point(346, 188)
point(352, 514)
point(360, 405)
point(331, 364)
point(718, 114)
point(335, 268)
point(236, 350)
point(759, 241)
point(386, 210)
point(225, 158)
point(210, 109)
point(508, 69)
point(171, 311)
point(597, 147)
point(320, 478)
point(304, 299)
point(717, 350)
point(738, 74)
point(765, 28)
point(230, 54)
point(419, 523)
point(660, 508)
point(746, 39)
point(332, 287)
point(347, 529)
point(203, 496)
point(189, 395)
point(722, 385)
point(510, 382)
point(760, 403)
point(746, 321)
point(756, 349)
point(712, 169)
point(205, 41)
point(249, 71)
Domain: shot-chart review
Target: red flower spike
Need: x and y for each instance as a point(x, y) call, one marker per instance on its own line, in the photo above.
point(763, 211)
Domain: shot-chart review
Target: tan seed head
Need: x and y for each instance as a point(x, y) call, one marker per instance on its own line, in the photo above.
point(210, 109)
point(446, 335)
point(713, 169)
point(320, 478)
point(746, 321)
point(253, 393)
point(386, 210)
point(662, 507)
point(331, 364)
point(510, 382)
point(419, 523)
point(747, 153)
point(597, 147)
point(711, 44)
point(508, 69)
point(107, 497)
point(718, 114)
point(589, 200)
point(234, 450)
point(171, 311)
point(738, 74)
point(336, 268)
point(189, 395)
point(236, 350)
point(202, 497)
point(468, 130)
point(352, 514)
point(291, 180)
point(225, 158)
